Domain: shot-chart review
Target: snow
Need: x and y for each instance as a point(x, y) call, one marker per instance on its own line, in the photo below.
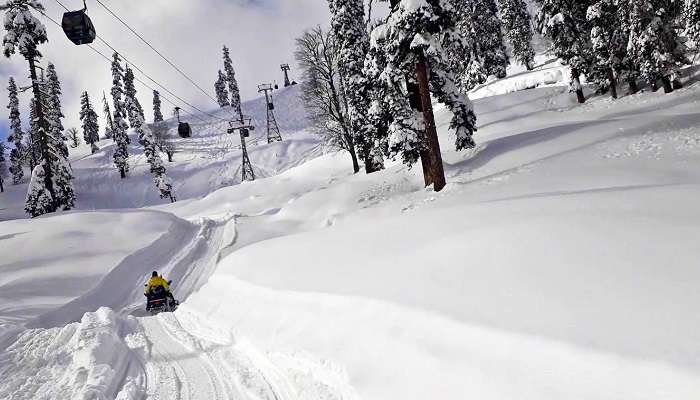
point(559, 262)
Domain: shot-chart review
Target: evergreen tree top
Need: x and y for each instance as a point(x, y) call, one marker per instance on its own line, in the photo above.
point(24, 32)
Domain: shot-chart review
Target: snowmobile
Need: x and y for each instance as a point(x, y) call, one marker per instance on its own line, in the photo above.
point(159, 301)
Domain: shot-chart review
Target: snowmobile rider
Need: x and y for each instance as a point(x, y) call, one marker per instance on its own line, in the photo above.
point(154, 282)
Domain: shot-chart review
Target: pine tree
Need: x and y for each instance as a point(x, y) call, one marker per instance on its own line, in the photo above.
point(3, 167)
point(564, 23)
point(24, 33)
point(350, 34)
point(517, 23)
point(109, 126)
point(232, 83)
point(17, 155)
point(130, 93)
point(157, 114)
point(33, 139)
point(417, 32)
point(489, 43)
point(119, 133)
point(654, 45)
point(480, 51)
point(88, 116)
point(691, 15)
point(221, 91)
point(54, 110)
point(62, 173)
point(146, 138)
point(608, 45)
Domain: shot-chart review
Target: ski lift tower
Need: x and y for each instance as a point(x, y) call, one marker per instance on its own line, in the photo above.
point(285, 69)
point(244, 126)
point(273, 130)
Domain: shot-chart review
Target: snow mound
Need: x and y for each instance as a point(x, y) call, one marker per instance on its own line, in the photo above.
point(90, 359)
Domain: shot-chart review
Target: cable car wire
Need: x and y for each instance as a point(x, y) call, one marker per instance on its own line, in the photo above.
point(156, 51)
point(143, 72)
point(109, 60)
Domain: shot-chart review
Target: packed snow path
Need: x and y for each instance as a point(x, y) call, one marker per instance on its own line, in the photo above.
point(184, 366)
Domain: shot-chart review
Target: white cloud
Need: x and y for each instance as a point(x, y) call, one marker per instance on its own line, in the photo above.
point(260, 34)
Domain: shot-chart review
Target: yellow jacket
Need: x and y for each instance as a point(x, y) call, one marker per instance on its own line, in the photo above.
point(156, 281)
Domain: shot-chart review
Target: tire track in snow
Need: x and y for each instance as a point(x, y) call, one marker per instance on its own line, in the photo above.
point(176, 371)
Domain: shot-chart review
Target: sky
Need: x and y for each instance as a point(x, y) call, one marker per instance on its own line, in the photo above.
point(260, 34)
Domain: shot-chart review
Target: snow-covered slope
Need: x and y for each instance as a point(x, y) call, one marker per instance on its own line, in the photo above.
point(207, 161)
point(559, 262)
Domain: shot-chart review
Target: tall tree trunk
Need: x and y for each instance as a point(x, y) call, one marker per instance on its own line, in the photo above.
point(353, 154)
point(666, 84)
point(613, 83)
point(43, 135)
point(437, 171)
point(654, 86)
point(414, 98)
point(122, 173)
point(2, 185)
point(633, 88)
point(575, 77)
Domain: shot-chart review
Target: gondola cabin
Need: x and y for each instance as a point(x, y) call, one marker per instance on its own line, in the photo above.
point(184, 130)
point(78, 27)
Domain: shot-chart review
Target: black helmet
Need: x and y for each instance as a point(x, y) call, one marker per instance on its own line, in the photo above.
point(154, 274)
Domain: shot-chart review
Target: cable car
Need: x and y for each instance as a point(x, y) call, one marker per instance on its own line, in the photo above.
point(184, 130)
point(78, 26)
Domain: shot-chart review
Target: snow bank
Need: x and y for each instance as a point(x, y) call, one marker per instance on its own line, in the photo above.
point(50, 261)
point(92, 359)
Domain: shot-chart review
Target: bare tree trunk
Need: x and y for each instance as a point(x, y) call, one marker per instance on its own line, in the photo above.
point(575, 77)
point(43, 135)
point(613, 83)
point(633, 88)
point(2, 185)
point(666, 84)
point(437, 171)
point(353, 154)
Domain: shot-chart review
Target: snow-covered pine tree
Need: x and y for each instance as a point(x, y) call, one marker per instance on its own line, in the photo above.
point(130, 94)
point(232, 83)
point(146, 137)
point(119, 133)
point(62, 173)
point(564, 23)
point(608, 45)
point(518, 27)
point(24, 33)
point(157, 114)
point(88, 116)
point(489, 37)
point(17, 155)
point(350, 33)
point(691, 16)
point(415, 31)
point(3, 167)
point(33, 139)
point(109, 126)
point(53, 87)
point(221, 91)
point(653, 45)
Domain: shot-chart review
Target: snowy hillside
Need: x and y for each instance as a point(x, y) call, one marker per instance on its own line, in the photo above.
point(561, 261)
point(207, 161)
